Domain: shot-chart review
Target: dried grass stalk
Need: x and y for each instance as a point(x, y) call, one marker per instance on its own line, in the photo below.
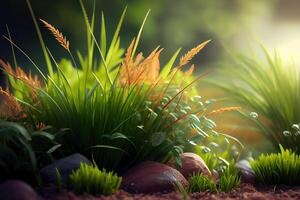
point(189, 55)
point(190, 71)
point(222, 110)
point(58, 35)
point(9, 107)
point(140, 69)
point(19, 73)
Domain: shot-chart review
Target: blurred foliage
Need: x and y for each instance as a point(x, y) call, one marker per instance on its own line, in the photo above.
point(171, 23)
point(269, 89)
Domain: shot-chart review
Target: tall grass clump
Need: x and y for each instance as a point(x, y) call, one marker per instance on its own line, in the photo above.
point(280, 168)
point(270, 89)
point(120, 109)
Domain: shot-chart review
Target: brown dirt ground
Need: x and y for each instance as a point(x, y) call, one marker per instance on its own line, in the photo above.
point(245, 192)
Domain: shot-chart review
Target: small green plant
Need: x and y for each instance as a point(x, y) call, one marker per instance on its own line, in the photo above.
point(17, 158)
point(280, 168)
point(89, 179)
point(218, 154)
point(201, 183)
point(229, 178)
point(59, 181)
point(23, 151)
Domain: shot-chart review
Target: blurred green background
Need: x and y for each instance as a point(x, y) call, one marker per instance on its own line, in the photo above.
point(172, 24)
point(230, 24)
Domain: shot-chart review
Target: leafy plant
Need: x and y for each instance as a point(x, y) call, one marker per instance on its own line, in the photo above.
point(23, 151)
point(271, 89)
point(280, 168)
point(217, 156)
point(126, 108)
point(17, 156)
point(89, 179)
point(201, 183)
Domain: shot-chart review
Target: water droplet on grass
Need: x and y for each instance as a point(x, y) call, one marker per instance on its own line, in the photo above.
point(287, 133)
point(253, 115)
point(206, 150)
point(296, 127)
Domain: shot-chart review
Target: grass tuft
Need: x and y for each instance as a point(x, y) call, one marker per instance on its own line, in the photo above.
point(229, 179)
point(89, 179)
point(280, 168)
point(201, 183)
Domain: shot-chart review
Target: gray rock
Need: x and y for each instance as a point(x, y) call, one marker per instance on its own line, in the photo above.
point(247, 173)
point(17, 190)
point(152, 177)
point(65, 166)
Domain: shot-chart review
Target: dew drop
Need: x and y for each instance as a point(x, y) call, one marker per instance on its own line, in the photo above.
point(213, 144)
point(192, 143)
point(296, 127)
point(286, 133)
point(206, 150)
point(253, 115)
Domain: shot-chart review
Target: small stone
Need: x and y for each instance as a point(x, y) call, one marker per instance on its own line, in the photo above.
point(246, 171)
point(191, 164)
point(152, 177)
point(17, 190)
point(65, 166)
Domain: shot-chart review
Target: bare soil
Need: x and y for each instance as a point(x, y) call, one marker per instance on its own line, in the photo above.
point(244, 192)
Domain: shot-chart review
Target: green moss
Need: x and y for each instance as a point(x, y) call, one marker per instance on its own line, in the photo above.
point(89, 179)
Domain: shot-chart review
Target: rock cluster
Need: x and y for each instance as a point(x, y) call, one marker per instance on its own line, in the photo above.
point(154, 177)
point(147, 177)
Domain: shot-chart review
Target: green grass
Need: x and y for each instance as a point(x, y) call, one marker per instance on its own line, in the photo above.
point(229, 179)
point(103, 117)
point(201, 183)
point(271, 88)
point(89, 179)
point(280, 168)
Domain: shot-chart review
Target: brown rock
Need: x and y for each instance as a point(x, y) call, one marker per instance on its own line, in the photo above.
point(152, 177)
point(191, 163)
point(17, 190)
